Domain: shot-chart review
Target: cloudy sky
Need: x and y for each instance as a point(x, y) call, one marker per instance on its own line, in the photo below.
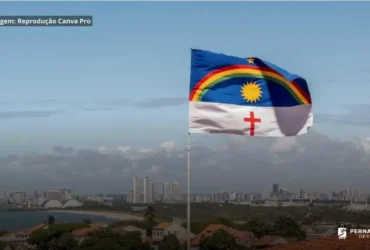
point(88, 108)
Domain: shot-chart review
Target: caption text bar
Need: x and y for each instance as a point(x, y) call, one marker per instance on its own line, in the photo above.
point(46, 21)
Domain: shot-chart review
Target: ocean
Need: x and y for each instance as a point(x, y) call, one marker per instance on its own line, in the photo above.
point(18, 220)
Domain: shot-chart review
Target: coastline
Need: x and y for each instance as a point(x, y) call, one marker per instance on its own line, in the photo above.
point(111, 215)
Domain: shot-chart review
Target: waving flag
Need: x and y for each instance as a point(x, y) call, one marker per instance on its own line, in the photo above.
point(246, 96)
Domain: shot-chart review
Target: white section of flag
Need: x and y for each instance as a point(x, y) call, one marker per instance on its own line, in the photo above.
point(209, 117)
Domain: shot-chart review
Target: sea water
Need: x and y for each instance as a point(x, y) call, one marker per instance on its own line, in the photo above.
point(18, 220)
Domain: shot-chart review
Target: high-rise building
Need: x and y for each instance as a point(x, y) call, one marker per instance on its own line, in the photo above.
point(18, 197)
point(176, 191)
point(171, 191)
point(232, 196)
point(147, 189)
point(153, 193)
point(55, 195)
point(134, 190)
point(129, 197)
point(67, 194)
point(137, 190)
point(167, 191)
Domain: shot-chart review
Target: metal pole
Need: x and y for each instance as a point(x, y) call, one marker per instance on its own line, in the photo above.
point(188, 202)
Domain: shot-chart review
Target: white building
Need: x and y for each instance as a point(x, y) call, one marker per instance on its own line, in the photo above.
point(55, 195)
point(137, 190)
point(95, 198)
point(53, 204)
point(176, 191)
point(129, 198)
point(148, 192)
point(167, 191)
point(167, 228)
point(171, 191)
point(40, 201)
point(18, 197)
point(67, 194)
point(72, 203)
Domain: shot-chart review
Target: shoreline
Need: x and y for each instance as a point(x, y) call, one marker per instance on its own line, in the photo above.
point(110, 215)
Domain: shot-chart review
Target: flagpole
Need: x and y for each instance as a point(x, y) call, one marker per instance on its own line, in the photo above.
point(188, 198)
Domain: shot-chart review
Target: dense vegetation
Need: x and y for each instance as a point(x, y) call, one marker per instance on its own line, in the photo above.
point(59, 237)
point(170, 242)
point(55, 236)
point(220, 240)
point(282, 226)
point(109, 240)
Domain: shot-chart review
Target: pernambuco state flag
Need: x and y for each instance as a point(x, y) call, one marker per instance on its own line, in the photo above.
point(246, 96)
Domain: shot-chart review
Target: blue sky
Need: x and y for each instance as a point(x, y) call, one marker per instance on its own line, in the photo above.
point(141, 51)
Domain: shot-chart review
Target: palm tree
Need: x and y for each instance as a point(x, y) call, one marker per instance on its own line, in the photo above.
point(149, 214)
point(51, 220)
point(149, 218)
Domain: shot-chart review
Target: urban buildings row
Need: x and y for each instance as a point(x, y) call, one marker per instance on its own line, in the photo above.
point(60, 198)
point(143, 191)
point(19, 197)
point(344, 195)
point(350, 196)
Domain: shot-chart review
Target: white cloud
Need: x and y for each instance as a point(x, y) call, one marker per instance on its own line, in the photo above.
point(146, 150)
point(248, 166)
point(366, 145)
point(362, 144)
point(102, 150)
point(284, 144)
point(124, 149)
point(168, 146)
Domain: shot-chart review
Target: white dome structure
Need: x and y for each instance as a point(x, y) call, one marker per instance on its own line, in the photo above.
point(52, 204)
point(72, 203)
point(41, 201)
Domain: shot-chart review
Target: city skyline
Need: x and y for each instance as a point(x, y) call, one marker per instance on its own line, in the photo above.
point(171, 194)
point(143, 191)
point(174, 194)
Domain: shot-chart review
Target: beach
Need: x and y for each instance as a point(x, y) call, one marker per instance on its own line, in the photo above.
point(111, 215)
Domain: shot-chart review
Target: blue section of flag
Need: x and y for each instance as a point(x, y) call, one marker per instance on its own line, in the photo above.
point(229, 90)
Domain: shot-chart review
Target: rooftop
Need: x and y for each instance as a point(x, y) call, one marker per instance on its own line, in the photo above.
point(86, 231)
point(163, 225)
